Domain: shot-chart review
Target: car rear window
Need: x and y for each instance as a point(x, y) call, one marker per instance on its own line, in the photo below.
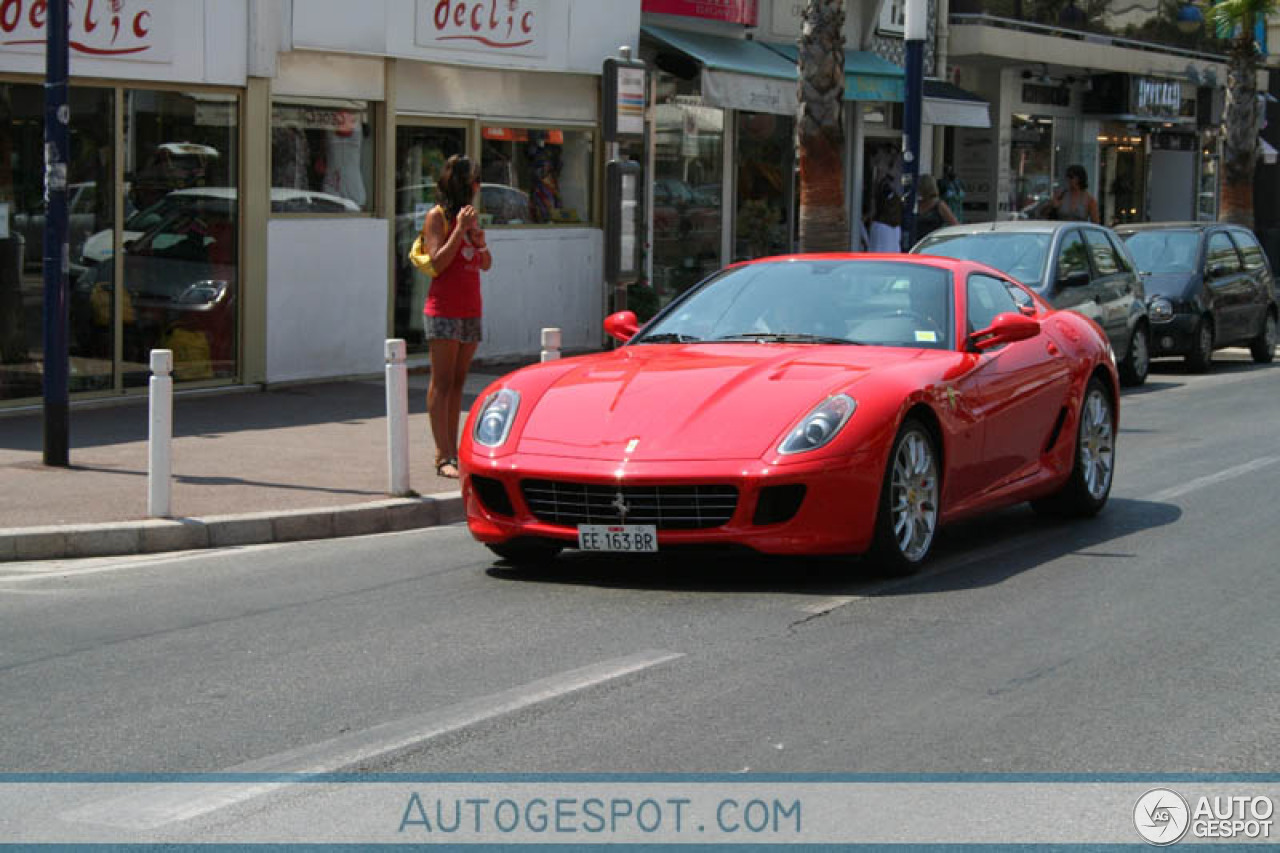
point(1254, 259)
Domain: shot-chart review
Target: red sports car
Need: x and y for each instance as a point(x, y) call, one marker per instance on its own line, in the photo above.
point(808, 404)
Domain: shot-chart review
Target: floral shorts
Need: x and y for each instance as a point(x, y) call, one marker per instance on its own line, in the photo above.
point(465, 329)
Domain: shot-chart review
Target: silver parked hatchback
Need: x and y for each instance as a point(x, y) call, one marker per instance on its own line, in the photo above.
point(1074, 265)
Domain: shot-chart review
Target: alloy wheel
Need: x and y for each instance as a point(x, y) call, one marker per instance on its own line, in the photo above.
point(913, 498)
point(1097, 444)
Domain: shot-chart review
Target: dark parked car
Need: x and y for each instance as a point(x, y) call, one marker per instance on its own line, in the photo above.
point(1208, 286)
point(1073, 265)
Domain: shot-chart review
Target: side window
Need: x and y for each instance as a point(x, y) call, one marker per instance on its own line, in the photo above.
point(987, 297)
point(1222, 252)
point(1072, 256)
point(1104, 254)
point(1249, 248)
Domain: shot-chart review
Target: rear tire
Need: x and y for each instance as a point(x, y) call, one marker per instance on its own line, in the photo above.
point(1200, 359)
point(907, 517)
point(1263, 347)
point(1087, 488)
point(526, 553)
point(1137, 361)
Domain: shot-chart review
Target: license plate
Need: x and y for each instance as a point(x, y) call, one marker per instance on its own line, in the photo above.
point(626, 538)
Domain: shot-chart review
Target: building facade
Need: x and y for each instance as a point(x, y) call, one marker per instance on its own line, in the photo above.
point(253, 171)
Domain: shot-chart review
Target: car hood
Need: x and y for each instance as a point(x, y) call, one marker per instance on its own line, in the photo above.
point(1170, 285)
point(676, 403)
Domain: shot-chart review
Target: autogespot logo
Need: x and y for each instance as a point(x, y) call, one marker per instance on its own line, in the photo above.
point(1161, 816)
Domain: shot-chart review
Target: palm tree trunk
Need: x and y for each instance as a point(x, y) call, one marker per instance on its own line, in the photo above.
point(824, 225)
point(1240, 119)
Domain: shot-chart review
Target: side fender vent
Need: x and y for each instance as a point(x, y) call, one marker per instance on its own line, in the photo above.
point(1056, 432)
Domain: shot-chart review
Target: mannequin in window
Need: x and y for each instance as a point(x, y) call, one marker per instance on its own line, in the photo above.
point(343, 175)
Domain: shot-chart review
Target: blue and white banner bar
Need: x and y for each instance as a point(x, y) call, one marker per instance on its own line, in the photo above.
point(643, 810)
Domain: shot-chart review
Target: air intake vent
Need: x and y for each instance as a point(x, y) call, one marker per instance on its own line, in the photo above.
point(667, 507)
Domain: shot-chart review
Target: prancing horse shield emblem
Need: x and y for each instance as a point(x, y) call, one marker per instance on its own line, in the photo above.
point(620, 504)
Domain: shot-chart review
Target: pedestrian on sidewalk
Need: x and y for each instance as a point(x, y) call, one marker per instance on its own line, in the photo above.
point(452, 236)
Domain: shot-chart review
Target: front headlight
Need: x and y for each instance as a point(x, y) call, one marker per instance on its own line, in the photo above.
point(497, 414)
point(1160, 309)
point(819, 426)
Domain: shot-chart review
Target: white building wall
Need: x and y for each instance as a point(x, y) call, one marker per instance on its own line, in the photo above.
point(540, 278)
point(188, 41)
point(326, 297)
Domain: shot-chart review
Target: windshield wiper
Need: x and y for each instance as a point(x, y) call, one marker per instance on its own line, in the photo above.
point(787, 338)
point(668, 338)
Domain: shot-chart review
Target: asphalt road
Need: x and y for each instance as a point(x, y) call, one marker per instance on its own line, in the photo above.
point(1144, 641)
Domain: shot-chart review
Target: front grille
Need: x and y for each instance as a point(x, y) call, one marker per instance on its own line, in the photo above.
point(666, 507)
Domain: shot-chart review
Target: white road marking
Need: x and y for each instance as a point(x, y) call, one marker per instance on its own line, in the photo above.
point(1212, 479)
point(826, 605)
point(158, 804)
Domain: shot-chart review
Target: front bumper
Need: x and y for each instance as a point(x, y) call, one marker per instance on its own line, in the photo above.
point(836, 516)
point(1175, 336)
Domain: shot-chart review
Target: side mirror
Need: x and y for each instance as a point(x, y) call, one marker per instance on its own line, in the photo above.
point(1218, 270)
point(1005, 329)
point(621, 326)
point(1075, 279)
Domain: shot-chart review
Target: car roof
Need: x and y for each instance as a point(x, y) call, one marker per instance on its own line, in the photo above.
point(277, 194)
point(1173, 226)
point(1016, 226)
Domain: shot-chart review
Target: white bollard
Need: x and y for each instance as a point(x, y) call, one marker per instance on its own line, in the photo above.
point(160, 435)
point(397, 418)
point(550, 344)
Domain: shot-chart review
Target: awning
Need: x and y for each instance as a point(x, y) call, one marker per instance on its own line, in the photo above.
point(736, 73)
point(945, 104)
point(743, 74)
point(1268, 152)
point(867, 77)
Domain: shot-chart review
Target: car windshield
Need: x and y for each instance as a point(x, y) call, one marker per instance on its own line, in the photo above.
point(1163, 251)
point(884, 303)
point(1019, 254)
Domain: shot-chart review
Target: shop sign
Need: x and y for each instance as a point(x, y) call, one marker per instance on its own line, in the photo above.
point(1154, 97)
point(494, 27)
point(744, 12)
point(140, 30)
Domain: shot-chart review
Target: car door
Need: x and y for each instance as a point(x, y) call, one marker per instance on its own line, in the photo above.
point(1227, 286)
point(1260, 281)
point(1015, 392)
point(1117, 288)
point(1071, 279)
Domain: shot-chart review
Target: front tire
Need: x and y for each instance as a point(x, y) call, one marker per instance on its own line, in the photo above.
point(1137, 361)
point(1200, 359)
point(521, 553)
point(1263, 347)
point(907, 518)
point(1087, 488)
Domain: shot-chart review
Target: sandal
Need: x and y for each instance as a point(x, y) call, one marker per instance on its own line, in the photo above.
point(447, 468)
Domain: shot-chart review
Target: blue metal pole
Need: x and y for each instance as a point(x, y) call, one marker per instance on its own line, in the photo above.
point(917, 26)
point(57, 115)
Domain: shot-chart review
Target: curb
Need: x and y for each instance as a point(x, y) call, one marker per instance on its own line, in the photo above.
point(154, 536)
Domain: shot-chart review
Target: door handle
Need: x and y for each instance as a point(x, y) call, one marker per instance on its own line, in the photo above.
point(1052, 348)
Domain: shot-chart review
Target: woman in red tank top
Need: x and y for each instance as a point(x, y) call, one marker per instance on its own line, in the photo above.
point(456, 243)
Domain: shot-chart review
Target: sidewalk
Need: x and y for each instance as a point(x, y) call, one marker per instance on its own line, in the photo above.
point(250, 466)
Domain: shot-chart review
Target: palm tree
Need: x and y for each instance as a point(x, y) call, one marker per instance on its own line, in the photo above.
point(824, 225)
point(1240, 147)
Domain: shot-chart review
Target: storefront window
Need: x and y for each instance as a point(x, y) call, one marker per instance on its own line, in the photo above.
point(688, 186)
point(181, 270)
point(1031, 164)
point(536, 176)
point(322, 156)
point(765, 186)
point(421, 153)
point(22, 220)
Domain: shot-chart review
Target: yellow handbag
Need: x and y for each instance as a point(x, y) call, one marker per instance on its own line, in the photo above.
point(420, 259)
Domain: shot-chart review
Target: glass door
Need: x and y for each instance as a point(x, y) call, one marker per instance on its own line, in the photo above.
point(421, 152)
